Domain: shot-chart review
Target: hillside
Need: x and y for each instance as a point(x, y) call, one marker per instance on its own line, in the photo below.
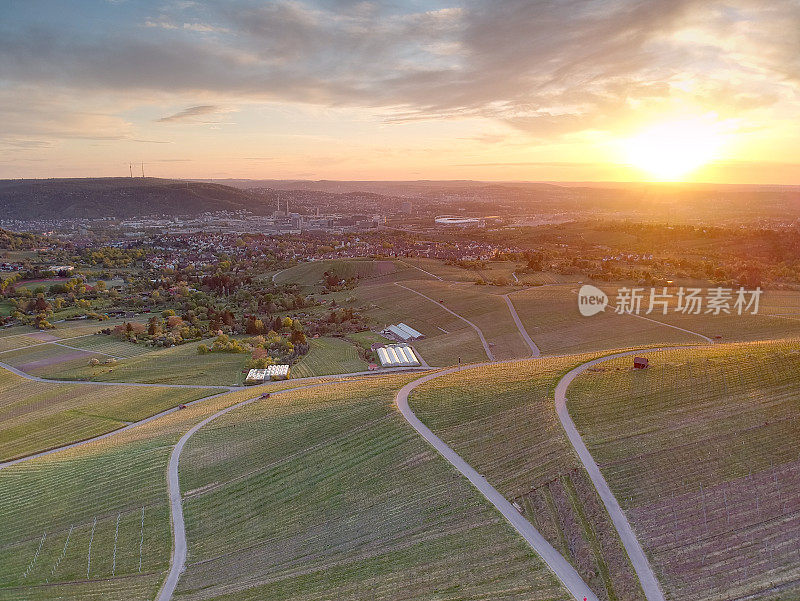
point(120, 197)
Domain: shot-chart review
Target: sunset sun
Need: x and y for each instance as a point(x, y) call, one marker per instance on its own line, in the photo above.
point(672, 150)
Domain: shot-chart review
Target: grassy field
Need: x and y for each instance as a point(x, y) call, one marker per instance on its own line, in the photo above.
point(41, 500)
point(176, 365)
point(551, 317)
point(309, 274)
point(328, 495)
point(483, 308)
point(35, 416)
point(502, 421)
point(701, 451)
point(54, 501)
point(446, 336)
point(328, 356)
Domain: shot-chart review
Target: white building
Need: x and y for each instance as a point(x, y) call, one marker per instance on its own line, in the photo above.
point(272, 372)
point(403, 333)
point(397, 355)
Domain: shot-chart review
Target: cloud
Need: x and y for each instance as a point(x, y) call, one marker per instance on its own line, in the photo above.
point(545, 67)
point(191, 113)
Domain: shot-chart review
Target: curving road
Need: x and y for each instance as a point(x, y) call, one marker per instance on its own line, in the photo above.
point(179, 547)
point(535, 352)
point(641, 565)
point(225, 390)
point(485, 344)
point(28, 376)
point(554, 560)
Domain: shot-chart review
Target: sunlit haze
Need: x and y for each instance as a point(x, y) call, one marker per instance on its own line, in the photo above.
point(321, 89)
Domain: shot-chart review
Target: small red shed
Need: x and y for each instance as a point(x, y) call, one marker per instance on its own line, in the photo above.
point(640, 363)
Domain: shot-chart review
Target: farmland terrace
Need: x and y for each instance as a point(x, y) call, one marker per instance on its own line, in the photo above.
point(701, 451)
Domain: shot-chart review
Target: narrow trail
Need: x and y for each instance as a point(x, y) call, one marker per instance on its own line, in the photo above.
point(641, 565)
point(669, 325)
point(485, 344)
point(535, 352)
point(179, 546)
point(433, 275)
point(563, 570)
point(225, 390)
point(28, 376)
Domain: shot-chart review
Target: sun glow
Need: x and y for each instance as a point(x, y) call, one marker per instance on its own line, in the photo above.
point(670, 151)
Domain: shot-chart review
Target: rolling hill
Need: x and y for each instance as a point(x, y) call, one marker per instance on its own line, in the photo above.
point(119, 197)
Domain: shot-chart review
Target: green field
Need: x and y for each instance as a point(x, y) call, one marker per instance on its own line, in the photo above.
point(107, 479)
point(310, 274)
point(502, 421)
point(328, 356)
point(550, 315)
point(328, 494)
point(446, 336)
point(112, 478)
point(176, 365)
point(701, 451)
point(35, 416)
point(482, 307)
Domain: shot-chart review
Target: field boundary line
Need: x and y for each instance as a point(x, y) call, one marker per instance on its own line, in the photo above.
point(562, 569)
point(227, 390)
point(179, 546)
point(27, 376)
point(485, 344)
point(669, 325)
point(423, 270)
point(633, 547)
point(535, 352)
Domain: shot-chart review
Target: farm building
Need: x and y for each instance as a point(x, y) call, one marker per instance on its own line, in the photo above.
point(272, 372)
point(402, 333)
point(397, 355)
point(640, 363)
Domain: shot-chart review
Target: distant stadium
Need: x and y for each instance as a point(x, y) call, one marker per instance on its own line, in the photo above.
point(456, 221)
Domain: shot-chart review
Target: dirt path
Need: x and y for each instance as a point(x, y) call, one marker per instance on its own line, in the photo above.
point(641, 565)
point(433, 275)
point(563, 570)
point(669, 325)
point(179, 546)
point(225, 390)
point(535, 352)
point(485, 344)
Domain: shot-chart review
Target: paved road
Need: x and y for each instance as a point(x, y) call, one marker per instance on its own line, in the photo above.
point(28, 376)
point(225, 390)
point(554, 560)
point(641, 565)
point(535, 352)
point(485, 344)
point(178, 558)
point(80, 443)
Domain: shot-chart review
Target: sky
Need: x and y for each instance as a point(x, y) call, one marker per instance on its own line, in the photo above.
point(534, 90)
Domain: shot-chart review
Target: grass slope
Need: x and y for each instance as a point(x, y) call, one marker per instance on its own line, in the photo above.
point(114, 478)
point(701, 451)
point(35, 416)
point(309, 274)
point(328, 356)
point(329, 494)
point(502, 421)
point(486, 310)
point(176, 365)
point(550, 315)
point(446, 337)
